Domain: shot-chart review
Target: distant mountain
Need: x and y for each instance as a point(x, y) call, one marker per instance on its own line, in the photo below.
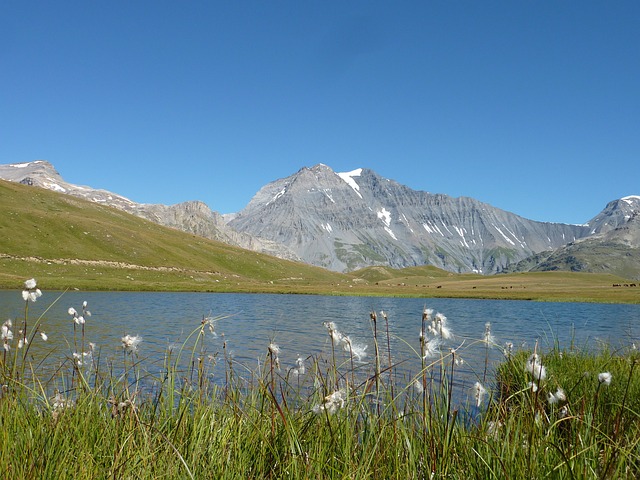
point(616, 214)
point(346, 221)
point(192, 217)
point(615, 250)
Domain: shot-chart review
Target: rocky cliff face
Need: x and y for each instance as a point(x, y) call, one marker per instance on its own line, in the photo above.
point(192, 217)
point(345, 221)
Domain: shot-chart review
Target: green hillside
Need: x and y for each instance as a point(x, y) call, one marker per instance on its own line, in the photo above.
point(68, 242)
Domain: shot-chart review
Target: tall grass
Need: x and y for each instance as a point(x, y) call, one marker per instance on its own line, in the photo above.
point(555, 414)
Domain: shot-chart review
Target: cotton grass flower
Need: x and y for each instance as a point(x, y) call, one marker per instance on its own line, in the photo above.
point(210, 323)
point(78, 318)
point(83, 358)
point(535, 368)
point(478, 393)
point(336, 336)
point(557, 397)
point(431, 348)
point(439, 327)
point(300, 368)
point(331, 403)
point(130, 343)
point(58, 404)
point(31, 293)
point(605, 378)
point(6, 335)
point(44, 336)
point(274, 351)
point(487, 337)
point(417, 385)
point(358, 351)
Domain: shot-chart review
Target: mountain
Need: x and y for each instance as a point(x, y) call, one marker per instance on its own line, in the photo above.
point(615, 249)
point(616, 214)
point(346, 221)
point(192, 217)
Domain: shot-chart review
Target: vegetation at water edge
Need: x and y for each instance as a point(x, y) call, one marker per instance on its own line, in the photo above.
point(347, 413)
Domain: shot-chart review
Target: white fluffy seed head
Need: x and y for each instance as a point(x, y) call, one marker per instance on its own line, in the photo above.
point(605, 378)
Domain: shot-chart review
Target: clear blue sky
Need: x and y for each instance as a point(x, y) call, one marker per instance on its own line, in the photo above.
point(531, 106)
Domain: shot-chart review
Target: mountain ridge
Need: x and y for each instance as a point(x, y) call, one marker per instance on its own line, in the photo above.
point(345, 221)
point(349, 220)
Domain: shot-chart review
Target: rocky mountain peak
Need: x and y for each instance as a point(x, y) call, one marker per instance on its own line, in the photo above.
point(37, 172)
point(615, 214)
point(344, 221)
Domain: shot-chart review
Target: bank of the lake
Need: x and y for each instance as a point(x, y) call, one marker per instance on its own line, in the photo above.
point(417, 282)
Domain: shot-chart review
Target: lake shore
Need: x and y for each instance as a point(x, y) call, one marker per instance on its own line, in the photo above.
point(543, 286)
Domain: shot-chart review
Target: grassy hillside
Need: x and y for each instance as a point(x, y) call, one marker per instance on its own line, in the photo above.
point(66, 242)
point(595, 255)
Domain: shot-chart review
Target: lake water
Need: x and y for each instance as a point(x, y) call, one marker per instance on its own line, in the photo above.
point(295, 323)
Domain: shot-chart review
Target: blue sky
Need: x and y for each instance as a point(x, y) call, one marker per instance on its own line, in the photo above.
point(533, 107)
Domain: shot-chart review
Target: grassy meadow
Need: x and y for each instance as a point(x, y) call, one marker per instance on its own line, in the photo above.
point(562, 413)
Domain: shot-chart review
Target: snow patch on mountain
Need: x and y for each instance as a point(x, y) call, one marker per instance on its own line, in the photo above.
point(54, 186)
point(385, 216)
point(328, 193)
point(348, 178)
point(277, 196)
point(631, 199)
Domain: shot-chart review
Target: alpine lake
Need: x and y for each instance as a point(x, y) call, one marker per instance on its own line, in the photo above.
point(244, 325)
